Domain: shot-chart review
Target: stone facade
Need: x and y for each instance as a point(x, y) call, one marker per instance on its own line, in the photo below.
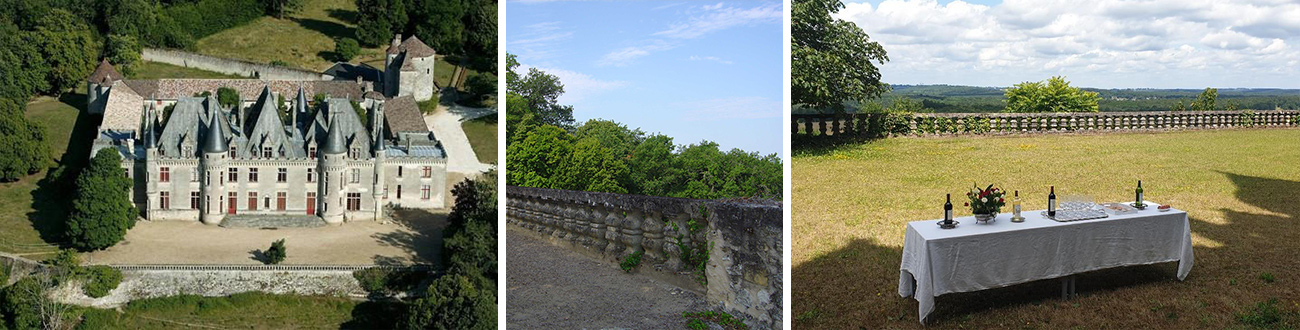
point(193, 159)
point(408, 68)
point(744, 268)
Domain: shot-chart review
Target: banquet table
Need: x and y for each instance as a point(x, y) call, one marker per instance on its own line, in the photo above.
point(975, 257)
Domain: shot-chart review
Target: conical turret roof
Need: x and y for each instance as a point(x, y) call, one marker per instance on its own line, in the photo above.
point(215, 139)
point(334, 141)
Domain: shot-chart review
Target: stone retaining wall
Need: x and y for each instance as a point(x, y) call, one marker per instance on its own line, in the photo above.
point(227, 66)
point(743, 239)
point(930, 124)
point(143, 284)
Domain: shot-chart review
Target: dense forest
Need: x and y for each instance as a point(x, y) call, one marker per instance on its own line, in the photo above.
point(952, 98)
point(545, 148)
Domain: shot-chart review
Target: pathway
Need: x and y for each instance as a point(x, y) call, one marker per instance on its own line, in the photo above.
point(551, 287)
point(445, 124)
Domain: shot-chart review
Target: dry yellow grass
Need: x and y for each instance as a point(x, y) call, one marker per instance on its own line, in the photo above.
point(1241, 189)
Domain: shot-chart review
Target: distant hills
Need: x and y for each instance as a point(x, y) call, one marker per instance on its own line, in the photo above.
point(954, 98)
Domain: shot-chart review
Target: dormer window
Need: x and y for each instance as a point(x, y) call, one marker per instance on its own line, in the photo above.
point(311, 152)
point(233, 151)
point(266, 152)
point(187, 151)
point(354, 152)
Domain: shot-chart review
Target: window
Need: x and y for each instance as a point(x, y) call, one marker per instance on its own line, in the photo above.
point(252, 201)
point(252, 174)
point(311, 175)
point(354, 201)
point(194, 200)
point(279, 200)
point(165, 200)
point(164, 174)
point(233, 152)
point(356, 175)
point(266, 202)
point(187, 151)
point(233, 174)
point(427, 172)
point(126, 172)
point(232, 202)
point(354, 152)
point(194, 175)
point(311, 152)
point(282, 175)
point(399, 174)
point(399, 191)
point(424, 192)
point(266, 152)
point(385, 192)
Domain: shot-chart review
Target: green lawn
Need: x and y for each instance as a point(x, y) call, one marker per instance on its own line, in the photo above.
point(155, 70)
point(482, 135)
point(21, 225)
point(241, 311)
point(304, 40)
point(1241, 189)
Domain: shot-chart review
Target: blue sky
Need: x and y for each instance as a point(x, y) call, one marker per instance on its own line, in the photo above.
point(1098, 43)
point(691, 70)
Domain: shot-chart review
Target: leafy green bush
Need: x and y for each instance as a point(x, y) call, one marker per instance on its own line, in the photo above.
point(723, 319)
point(227, 96)
point(372, 280)
point(631, 261)
point(276, 253)
point(206, 17)
point(347, 49)
point(4, 275)
point(94, 319)
point(100, 280)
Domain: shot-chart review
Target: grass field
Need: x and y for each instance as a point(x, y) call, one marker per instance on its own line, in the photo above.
point(155, 70)
point(482, 135)
point(21, 224)
point(241, 311)
point(1241, 189)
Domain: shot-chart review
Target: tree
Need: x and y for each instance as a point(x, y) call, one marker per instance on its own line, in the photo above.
point(19, 49)
point(480, 21)
point(228, 97)
point(378, 28)
point(347, 48)
point(123, 51)
point(536, 159)
point(1205, 101)
point(27, 305)
point(276, 253)
point(69, 48)
point(453, 301)
point(541, 92)
point(25, 151)
point(1179, 107)
point(282, 8)
point(1054, 95)
point(592, 167)
point(653, 167)
point(102, 211)
point(482, 84)
point(438, 23)
point(831, 60)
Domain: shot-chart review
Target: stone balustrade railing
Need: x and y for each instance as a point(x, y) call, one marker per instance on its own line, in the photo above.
point(928, 124)
point(743, 240)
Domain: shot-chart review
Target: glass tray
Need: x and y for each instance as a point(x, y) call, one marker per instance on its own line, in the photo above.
point(1064, 215)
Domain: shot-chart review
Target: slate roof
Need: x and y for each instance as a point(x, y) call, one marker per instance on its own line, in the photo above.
point(402, 115)
point(214, 138)
point(348, 71)
point(416, 48)
point(354, 132)
point(104, 71)
point(265, 129)
point(190, 119)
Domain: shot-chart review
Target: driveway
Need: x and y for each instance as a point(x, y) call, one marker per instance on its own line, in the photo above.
point(445, 124)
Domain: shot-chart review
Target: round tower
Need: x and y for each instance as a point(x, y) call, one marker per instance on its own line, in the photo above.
point(151, 163)
point(214, 164)
point(333, 164)
point(377, 130)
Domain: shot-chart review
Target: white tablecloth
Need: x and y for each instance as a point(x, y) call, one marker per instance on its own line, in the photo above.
point(975, 257)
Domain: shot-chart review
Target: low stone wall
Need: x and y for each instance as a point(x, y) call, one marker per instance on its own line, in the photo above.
point(743, 240)
point(226, 65)
point(930, 124)
point(143, 284)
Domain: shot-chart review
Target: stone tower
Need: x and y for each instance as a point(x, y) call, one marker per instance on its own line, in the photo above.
point(333, 164)
point(97, 85)
point(150, 161)
point(214, 163)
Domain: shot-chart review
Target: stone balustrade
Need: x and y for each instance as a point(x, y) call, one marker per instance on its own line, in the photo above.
point(929, 124)
point(743, 240)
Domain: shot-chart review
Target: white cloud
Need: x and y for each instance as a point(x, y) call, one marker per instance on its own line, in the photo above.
point(537, 41)
point(1230, 42)
point(710, 59)
point(626, 55)
point(747, 107)
point(709, 18)
point(577, 85)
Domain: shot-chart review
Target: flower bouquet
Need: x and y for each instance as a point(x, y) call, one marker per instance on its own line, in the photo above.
point(985, 203)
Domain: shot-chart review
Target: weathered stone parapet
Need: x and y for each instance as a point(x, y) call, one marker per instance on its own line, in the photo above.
point(743, 240)
point(941, 124)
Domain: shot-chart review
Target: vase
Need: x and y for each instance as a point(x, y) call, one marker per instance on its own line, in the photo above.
point(985, 217)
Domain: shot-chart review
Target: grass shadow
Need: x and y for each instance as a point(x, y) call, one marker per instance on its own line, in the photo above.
point(376, 315)
point(332, 29)
point(809, 145)
point(347, 16)
point(51, 200)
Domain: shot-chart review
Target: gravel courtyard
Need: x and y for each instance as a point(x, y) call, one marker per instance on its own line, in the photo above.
point(416, 236)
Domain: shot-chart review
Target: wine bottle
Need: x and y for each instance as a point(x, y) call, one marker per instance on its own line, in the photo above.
point(1051, 203)
point(1139, 193)
point(947, 210)
point(1015, 204)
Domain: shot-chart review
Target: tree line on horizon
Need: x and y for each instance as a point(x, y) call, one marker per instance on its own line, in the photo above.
point(545, 148)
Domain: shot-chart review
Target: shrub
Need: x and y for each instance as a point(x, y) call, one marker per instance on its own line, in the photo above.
point(102, 211)
point(630, 262)
point(100, 280)
point(1263, 315)
point(276, 253)
point(346, 48)
point(94, 318)
point(228, 96)
point(372, 280)
point(1267, 277)
point(4, 276)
